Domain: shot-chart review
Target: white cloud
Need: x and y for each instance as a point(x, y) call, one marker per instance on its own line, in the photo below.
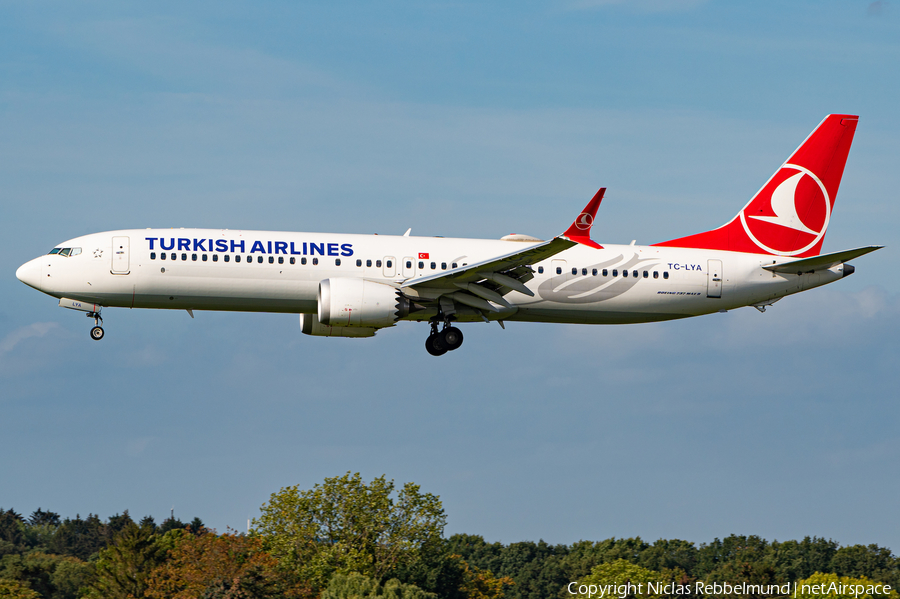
point(37, 329)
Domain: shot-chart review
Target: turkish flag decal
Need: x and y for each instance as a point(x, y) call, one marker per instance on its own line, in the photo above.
point(423, 255)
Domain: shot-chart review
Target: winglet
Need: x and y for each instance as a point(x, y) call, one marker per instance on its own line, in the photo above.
point(580, 230)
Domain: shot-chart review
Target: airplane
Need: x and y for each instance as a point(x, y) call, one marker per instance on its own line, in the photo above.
point(350, 285)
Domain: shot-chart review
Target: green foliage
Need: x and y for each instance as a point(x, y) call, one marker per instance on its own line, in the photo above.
point(79, 538)
point(622, 571)
point(832, 586)
point(11, 589)
point(357, 586)
point(122, 569)
point(345, 525)
point(52, 576)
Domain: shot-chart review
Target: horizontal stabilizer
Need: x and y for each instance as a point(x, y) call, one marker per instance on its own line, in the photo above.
point(823, 262)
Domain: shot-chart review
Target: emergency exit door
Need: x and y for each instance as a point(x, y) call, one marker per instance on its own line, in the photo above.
point(714, 279)
point(120, 256)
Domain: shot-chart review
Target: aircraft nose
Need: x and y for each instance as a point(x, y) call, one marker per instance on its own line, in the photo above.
point(30, 273)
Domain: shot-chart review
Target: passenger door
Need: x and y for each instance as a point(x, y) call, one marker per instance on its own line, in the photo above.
point(390, 266)
point(120, 256)
point(409, 266)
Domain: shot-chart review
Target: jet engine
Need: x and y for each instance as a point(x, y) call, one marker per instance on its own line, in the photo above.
point(360, 303)
point(310, 325)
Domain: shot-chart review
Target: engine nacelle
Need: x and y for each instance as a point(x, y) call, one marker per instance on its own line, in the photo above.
point(309, 324)
point(360, 303)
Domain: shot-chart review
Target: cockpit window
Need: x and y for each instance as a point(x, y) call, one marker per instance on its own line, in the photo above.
point(66, 251)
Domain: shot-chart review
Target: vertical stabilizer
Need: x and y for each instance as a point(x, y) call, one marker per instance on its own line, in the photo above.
point(790, 214)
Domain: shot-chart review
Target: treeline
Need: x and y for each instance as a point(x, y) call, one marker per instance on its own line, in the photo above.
point(346, 538)
point(540, 570)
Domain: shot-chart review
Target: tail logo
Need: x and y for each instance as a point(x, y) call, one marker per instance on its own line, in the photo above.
point(792, 217)
point(584, 221)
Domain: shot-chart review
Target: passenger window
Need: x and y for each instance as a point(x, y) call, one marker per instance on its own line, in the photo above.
point(237, 258)
point(227, 257)
point(194, 257)
point(421, 264)
point(615, 272)
point(559, 270)
point(666, 275)
point(162, 256)
point(634, 273)
point(153, 255)
point(409, 264)
point(55, 250)
point(293, 260)
point(453, 265)
point(302, 261)
point(215, 257)
point(259, 259)
point(624, 273)
point(584, 272)
point(359, 262)
point(389, 264)
point(315, 261)
point(540, 270)
point(655, 274)
point(280, 259)
point(174, 256)
point(271, 259)
point(443, 266)
point(337, 261)
point(594, 272)
point(433, 265)
point(574, 271)
point(368, 263)
point(184, 256)
point(378, 264)
point(75, 251)
point(605, 273)
point(646, 274)
point(65, 252)
point(203, 257)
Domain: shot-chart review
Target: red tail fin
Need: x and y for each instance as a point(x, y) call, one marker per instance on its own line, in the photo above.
point(790, 214)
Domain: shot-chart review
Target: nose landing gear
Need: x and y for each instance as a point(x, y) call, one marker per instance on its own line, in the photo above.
point(97, 331)
point(439, 343)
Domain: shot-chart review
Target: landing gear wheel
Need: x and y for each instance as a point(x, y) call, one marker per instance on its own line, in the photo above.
point(97, 333)
point(452, 338)
point(435, 345)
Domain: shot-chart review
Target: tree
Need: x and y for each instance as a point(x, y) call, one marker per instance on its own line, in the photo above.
point(79, 538)
point(357, 586)
point(229, 565)
point(55, 576)
point(832, 586)
point(122, 569)
point(482, 584)
point(11, 589)
point(345, 525)
point(621, 572)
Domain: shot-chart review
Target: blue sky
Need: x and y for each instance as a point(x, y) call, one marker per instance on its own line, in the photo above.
point(455, 119)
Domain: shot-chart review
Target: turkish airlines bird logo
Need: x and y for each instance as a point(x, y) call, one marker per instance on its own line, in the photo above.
point(584, 221)
point(790, 213)
point(784, 204)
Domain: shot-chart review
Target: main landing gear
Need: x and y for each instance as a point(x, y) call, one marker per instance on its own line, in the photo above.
point(440, 342)
point(97, 331)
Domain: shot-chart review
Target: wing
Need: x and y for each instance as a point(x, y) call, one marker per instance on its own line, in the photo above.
point(823, 262)
point(482, 285)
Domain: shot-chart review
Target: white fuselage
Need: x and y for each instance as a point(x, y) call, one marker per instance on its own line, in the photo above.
point(281, 271)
